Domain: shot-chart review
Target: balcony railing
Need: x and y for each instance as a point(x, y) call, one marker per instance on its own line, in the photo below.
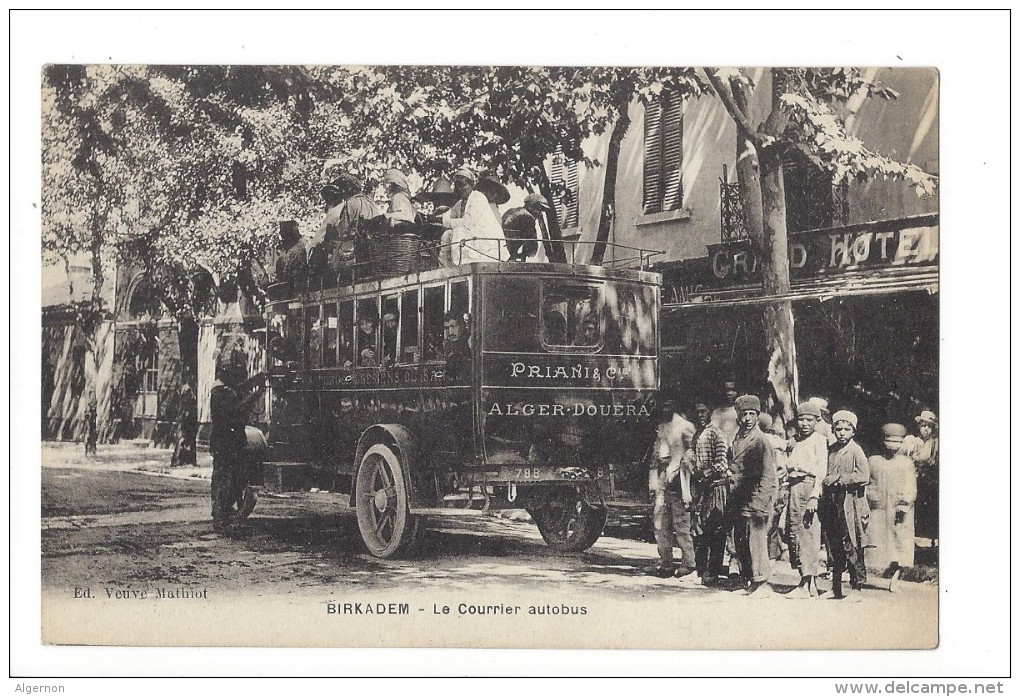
point(810, 213)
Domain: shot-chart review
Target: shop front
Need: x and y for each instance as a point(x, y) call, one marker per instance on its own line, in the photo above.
point(865, 305)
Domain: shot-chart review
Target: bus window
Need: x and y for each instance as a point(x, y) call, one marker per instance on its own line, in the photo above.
point(313, 330)
point(281, 344)
point(390, 328)
point(346, 334)
point(295, 341)
point(409, 326)
point(459, 298)
point(511, 321)
point(571, 316)
point(432, 322)
point(367, 333)
point(329, 335)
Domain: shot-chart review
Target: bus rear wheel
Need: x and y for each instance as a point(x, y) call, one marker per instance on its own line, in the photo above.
point(568, 523)
point(381, 501)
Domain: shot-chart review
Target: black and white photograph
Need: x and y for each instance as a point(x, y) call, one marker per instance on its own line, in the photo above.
point(427, 354)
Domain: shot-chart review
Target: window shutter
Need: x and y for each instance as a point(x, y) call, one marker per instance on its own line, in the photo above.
point(652, 198)
point(565, 178)
point(572, 196)
point(672, 155)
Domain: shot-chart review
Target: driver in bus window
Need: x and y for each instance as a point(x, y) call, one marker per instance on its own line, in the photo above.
point(588, 331)
point(391, 321)
point(456, 351)
point(555, 328)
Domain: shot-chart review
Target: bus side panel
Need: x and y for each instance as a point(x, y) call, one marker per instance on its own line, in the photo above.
point(437, 416)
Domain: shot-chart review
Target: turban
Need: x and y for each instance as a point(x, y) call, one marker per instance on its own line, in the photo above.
point(809, 408)
point(467, 174)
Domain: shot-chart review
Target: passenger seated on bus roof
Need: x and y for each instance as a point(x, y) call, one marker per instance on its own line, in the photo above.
point(391, 321)
point(520, 227)
point(474, 232)
point(292, 264)
point(347, 209)
point(366, 340)
point(456, 350)
point(400, 215)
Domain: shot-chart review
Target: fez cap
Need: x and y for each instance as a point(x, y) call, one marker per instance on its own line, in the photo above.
point(747, 402)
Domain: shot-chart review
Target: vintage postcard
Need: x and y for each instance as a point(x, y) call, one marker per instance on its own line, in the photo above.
point(472, 356)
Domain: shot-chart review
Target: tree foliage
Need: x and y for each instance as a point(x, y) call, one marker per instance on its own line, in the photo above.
point(809, 115)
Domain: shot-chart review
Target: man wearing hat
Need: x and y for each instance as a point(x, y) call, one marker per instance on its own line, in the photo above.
point(292, 264)
point(495, 193)
point(843, 509)
point(923, 449)
point(473, 233)
point(226, 439)
point(521, 227)
point(891, 493)
point(753, 487)
point(347, 208)
point(806, 468)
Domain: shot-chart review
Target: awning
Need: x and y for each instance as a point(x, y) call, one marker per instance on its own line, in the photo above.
point(872, 282)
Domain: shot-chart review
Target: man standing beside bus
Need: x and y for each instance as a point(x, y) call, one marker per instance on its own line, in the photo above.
point(227, 440)
point(670, 482)
point(710, 478)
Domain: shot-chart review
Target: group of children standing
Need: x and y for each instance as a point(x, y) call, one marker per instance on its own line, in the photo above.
point(729, 483)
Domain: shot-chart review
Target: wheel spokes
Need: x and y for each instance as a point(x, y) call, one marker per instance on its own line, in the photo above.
point(386, 517)
point(384, 474)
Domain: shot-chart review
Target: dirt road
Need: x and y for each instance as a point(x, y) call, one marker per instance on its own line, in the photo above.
point(122, 533)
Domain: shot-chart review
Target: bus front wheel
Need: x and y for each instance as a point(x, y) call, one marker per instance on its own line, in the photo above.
point(384, 517)
point(569, 523)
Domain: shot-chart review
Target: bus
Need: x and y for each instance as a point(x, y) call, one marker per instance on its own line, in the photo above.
point(480, 387)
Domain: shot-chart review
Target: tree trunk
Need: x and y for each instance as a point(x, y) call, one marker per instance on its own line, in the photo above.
point(775, 265)
point(762, 191)
point(185, 450)
point(90, 326)
point(554, 246)
point(609, 187)
point(748, 174)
